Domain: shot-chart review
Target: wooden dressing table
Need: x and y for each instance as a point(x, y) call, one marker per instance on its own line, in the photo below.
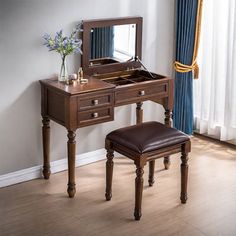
point(109, 85)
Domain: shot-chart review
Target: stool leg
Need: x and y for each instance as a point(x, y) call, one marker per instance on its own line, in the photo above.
point(166, 162)
point(138, 192)
point(184, 177)
point(109, 172)
point(151, 173)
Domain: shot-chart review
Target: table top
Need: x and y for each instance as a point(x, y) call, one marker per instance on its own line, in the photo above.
point(77, 87)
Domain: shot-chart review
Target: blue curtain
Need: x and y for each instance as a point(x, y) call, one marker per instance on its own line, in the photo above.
point(102, 42)
point(185, 37)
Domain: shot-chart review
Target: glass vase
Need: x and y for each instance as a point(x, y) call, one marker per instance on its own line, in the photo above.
point(63, 76)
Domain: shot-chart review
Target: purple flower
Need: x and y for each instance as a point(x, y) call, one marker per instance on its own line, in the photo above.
point(62, 44)
point(46, 36)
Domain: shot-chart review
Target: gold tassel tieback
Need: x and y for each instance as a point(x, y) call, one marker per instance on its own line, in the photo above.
point(179, 67)
point(182, 68)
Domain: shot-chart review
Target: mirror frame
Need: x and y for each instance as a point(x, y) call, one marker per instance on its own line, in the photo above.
point(119, 66)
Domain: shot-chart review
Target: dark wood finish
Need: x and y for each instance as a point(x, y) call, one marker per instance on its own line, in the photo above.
point(139, 113)
point(138, 192)
point(168, 116)
point(184, 178)
point(140, 161)
point(166, 162)
point(78, 105)
point(93, 85)
point(46, 147)
point(168, 123)
point(71, 146)
point(139, 120)
point(95, 116)
point(141, 91)
point(184, 172)
point(109, 171)
point(151, 179)
point(97, 100)
point(73, 106)
point(89, 24)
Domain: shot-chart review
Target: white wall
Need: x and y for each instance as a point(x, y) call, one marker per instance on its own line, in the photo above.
point(24, 61)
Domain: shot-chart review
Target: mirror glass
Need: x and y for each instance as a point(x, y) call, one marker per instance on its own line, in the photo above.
point(112, 44)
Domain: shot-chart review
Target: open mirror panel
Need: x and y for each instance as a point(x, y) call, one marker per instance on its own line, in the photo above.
point(110, 45)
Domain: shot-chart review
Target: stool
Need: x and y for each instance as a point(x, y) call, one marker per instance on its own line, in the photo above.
point(144, 143)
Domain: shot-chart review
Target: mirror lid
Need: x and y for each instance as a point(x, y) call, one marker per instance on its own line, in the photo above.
point(88, 25)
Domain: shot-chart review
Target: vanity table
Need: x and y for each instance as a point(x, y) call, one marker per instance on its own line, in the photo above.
point(112, 81)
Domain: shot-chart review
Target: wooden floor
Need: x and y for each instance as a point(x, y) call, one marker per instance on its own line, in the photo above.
point(41, 208)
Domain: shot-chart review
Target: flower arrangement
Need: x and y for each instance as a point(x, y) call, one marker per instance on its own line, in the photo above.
point(64, 46)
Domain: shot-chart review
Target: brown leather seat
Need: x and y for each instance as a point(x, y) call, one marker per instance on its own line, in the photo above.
point(147, 137)
point(144, 143)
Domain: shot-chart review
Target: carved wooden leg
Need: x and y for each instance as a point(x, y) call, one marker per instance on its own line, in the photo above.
point(184, 177)
point(46, 147)
point(151, 173)
point(166, 162)
point(168, 116)
point(109, 172)
point(139, 113)
point(138, 192)
point(71, 146)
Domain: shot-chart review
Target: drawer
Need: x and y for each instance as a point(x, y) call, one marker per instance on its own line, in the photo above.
point(141, 93)
point(95, 116)
point(97, 100)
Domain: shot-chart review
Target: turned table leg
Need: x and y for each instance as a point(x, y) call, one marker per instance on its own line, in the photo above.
point(46, 147)
point(71, 146)
point(184, 177)
point(109, 173)
point(138, 192)
point(168, 115)
point(139, 113)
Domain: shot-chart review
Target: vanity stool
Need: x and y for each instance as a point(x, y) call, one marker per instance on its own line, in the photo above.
point(144, 143)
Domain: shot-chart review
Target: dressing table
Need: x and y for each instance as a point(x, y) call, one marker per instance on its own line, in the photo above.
point(114, 79)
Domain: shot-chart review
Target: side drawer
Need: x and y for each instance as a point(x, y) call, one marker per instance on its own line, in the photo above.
point(95, 116)
point(95, 101)
point(141, 93)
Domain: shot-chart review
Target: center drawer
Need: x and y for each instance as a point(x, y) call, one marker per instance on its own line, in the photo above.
point(140, 93)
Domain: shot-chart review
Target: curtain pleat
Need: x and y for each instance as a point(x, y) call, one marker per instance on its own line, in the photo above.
point(215, 92)
point(185, 36)
point(102, 42)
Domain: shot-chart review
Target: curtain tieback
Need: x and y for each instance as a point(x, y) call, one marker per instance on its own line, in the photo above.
point(182, 68)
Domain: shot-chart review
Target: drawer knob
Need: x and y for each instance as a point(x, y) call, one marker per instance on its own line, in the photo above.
point(142, 93)
point(95, 102)
point(95, 115)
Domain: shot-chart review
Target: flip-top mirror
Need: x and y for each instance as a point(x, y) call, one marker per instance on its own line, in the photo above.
point(111, 45)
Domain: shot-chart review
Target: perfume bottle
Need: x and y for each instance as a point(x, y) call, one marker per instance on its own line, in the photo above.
point(81, 76)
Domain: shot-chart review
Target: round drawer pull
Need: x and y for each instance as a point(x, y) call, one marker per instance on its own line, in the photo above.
point(95, 115)
point(95, 102)
point(142, 93)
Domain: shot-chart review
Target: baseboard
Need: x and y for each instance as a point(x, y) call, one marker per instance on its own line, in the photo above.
point(56, 166)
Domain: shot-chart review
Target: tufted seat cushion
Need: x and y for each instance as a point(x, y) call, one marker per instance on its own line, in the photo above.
point(147, 137)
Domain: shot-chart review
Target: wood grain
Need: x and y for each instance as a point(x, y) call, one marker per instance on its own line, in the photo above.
point(42, 208)
point(79, 105)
